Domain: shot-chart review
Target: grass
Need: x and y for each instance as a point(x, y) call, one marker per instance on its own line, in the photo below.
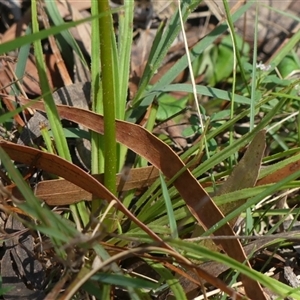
point(160, 225)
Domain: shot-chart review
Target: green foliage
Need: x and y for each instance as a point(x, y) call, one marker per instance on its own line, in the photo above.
point(216, 62)
point(169, 106)
point(160, 207)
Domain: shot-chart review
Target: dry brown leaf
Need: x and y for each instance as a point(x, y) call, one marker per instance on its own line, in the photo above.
point(59, 62)
point(82, 32)
point(18, 29)
point(163, 158)
point(62, 192)
point(206, 276)
point(280, 174)
point(31, 78)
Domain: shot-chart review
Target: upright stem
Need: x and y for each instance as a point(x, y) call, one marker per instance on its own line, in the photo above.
point(108, 93)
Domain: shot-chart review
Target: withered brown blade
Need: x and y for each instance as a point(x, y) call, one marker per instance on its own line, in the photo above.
point(62, 192)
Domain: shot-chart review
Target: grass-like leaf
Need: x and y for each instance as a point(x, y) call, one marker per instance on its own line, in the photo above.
point(169, 206)
point(39, 35)
point(57, 20)
point(124, 281)
point(52, 114)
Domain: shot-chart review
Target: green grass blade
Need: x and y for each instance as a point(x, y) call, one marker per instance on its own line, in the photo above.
point(243, 194)
point(7, 116)
point(55, 16)
point(238, 55)
point(124, 49)
point(203, 90)
point(171, 280)
point(169, 206)
point(284, 51)
point(21, 64)
point(39, 35)
point(97, 153)
point(122, 68)
point(101, 252)
point(125, 281)
point(254, 62)
point(52, 114)
point(149, 69)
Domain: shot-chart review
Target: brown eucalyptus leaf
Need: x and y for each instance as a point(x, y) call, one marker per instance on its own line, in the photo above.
point(62, 192)
point(280, 174)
